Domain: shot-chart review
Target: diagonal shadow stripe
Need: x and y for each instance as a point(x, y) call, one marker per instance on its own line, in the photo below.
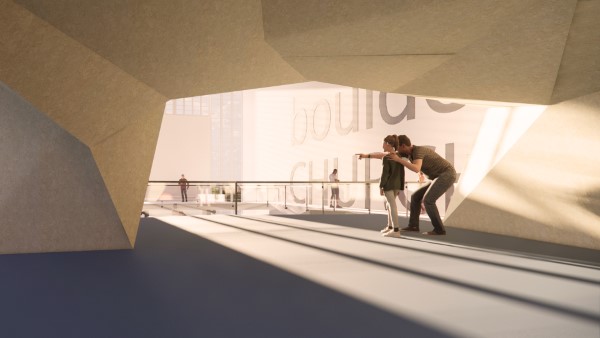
point(178, 284)
point(475, 240)
point(476, 260)
point(583, 315)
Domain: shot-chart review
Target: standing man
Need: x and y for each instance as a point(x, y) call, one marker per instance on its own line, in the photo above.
point(442, 175)
point(184, 185)
point(335, 189)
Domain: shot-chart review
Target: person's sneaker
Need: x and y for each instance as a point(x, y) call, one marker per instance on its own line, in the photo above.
point(386, 229)
point(393, 233)
point(331, 205)
point(410, 229)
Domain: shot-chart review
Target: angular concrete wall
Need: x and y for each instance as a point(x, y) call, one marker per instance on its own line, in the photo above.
point(579, 71)
point(547, 187)
point(114, 115)
point(53, 196)
point(102, 70)
point(509, 51)
point(181, 48)
point(497, 51)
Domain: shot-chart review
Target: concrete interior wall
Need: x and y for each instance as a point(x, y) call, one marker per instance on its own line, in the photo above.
point(547, 186)
point(102, 71)
point(49, 176)
point(113, 114)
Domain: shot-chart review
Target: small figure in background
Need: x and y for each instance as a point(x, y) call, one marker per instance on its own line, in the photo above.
point(184, 185)
point(335, 190)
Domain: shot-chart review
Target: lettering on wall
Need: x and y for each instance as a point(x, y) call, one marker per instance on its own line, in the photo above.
point(325, 178)
point(314, 122)
point(304, 119)
point(407, 113)
point(443, 108)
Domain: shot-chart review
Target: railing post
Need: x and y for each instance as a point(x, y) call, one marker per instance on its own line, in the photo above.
point(406, 198)
point(285, 196)
point(368, 197)
point(306, 197)
point(323, 198)
point(368, 186)
point(235, 197)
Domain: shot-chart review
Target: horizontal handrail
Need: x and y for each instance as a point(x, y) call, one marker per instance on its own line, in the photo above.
point(232, 190)
point(277, 182)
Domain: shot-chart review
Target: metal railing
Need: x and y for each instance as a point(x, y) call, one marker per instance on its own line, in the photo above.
point(275, 196)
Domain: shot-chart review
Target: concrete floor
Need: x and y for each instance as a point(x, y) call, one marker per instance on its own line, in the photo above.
point(454, 289)
point(269, 276)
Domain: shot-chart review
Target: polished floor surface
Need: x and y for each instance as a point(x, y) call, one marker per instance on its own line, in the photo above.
point(269, 276)
point(455, 289)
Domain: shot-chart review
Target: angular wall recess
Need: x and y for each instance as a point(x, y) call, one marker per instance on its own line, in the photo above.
point(49, 177)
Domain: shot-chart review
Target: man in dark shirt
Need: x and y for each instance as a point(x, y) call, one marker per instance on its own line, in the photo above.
point(184, 185)
point(438, 169)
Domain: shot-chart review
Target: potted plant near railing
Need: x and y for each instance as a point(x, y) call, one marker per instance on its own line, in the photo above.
point(218, 194)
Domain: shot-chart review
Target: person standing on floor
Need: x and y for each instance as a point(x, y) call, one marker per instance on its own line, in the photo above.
point(184, 185)
point(335, 189)
point(391, 183)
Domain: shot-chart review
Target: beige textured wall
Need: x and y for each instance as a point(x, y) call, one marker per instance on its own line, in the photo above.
point(486, 50)
point(99, 70)
point(53, 197)
point(180, 48)
point(547, 186)
point(115, 115)
point(102, 70)
point(579, 71)
point(509, 51)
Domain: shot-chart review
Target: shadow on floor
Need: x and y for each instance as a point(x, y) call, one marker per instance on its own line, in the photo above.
point(475, 239)
point(175, 284)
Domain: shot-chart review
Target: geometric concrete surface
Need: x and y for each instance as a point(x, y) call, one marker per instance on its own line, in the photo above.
point(579, 72)
point(49, 176)
point(513, 51)
point(102, 71)
point(546, 187)
point(188, 49)
point(114, 115)
point(469, 49)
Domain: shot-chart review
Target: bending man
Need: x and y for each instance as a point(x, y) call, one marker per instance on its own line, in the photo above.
point(437, 168)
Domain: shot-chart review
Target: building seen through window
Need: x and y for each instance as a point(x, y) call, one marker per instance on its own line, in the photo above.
point(225, 112)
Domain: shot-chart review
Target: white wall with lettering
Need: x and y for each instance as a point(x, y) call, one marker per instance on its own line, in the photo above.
point(302, 133)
